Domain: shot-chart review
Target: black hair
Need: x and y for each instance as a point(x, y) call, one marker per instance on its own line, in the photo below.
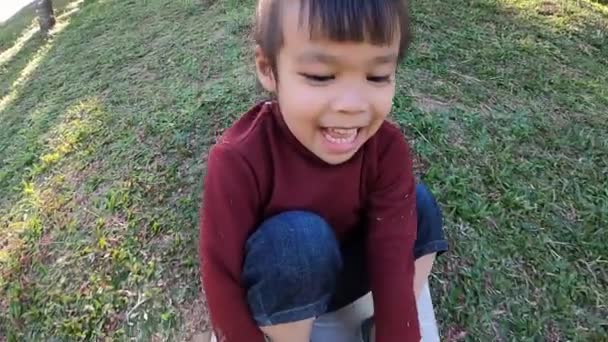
point(374, 21)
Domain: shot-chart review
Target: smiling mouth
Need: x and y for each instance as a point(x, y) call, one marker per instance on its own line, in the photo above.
point(342, 136)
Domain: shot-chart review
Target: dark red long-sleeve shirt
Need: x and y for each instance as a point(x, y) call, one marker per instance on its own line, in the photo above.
point(258, 169)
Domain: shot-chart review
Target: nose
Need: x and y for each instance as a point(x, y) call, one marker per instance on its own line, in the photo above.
point(351, 99)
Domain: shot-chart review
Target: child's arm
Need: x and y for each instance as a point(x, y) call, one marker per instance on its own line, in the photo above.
point(392, 224)
point(228, 215)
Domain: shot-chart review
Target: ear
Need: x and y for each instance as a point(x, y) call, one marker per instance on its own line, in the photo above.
point(264, 71)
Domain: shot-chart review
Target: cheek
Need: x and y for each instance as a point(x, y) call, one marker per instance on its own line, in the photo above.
point(383, 102)
point(300, 112)
point(300, 102)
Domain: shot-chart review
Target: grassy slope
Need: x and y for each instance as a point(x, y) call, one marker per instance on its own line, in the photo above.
point(102, 147)
point(13, 27)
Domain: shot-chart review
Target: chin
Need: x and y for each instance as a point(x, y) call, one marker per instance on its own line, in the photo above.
point(336, 159)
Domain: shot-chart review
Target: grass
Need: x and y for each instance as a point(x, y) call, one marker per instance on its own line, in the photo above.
point(104, 128)
point(23, 20)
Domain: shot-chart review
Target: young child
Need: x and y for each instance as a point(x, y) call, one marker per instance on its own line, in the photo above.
point(310, 200)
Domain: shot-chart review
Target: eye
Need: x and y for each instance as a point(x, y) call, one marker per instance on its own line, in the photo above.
point(379, 79)
point(318, 78)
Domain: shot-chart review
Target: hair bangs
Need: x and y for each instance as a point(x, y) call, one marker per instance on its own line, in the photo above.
point(377, 21)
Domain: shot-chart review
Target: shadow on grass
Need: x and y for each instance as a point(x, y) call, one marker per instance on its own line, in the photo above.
point(23, 81)
point(101, 148)
point(16, 69)
point(11, 30)
point(20, 44)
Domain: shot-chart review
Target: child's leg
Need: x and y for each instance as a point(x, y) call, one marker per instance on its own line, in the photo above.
point(430, 239)
point(430, 242)
point(291, 266)
point(423, 267)
point(296, 331)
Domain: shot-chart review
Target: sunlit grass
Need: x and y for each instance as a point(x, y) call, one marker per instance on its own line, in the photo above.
point(9, 53)
point(78, 124)
point(14, 28)
point(62, 23)
point(24, 76)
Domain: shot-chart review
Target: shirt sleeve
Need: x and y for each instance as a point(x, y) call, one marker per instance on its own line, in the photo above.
point(390, 244)
point(228, 215)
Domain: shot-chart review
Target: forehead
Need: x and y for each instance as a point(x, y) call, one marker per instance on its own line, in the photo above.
point(310, 44)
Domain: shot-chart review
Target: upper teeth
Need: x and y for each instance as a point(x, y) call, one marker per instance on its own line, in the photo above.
point(345, 131)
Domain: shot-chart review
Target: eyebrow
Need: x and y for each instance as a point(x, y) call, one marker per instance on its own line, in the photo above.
point(319, 57)
point(386, 59)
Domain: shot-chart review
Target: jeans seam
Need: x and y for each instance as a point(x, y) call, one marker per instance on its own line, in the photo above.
point(271, 319)
point(431, 247)
point(261, 302)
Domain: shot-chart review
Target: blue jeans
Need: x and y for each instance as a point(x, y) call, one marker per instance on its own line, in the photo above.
point(295, 268)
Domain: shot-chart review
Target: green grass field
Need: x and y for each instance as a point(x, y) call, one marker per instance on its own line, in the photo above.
point(105, 126)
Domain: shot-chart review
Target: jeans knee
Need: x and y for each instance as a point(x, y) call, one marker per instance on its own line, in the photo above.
point(293, 248)
point(291, 268)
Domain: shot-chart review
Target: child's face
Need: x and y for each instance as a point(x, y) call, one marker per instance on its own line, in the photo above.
point(333, 96)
